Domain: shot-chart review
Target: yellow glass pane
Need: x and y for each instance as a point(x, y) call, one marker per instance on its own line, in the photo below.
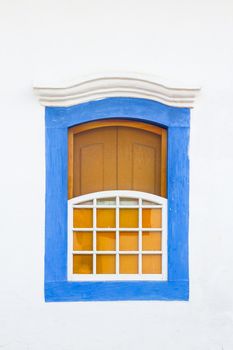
point(106, 240)
point(82, 264)
point(128, 264)
point(151, 240)
point(151, 264)
point(106, 218)
point(83, 218)
point(128, 241)
point(105, 264)
point(82, 241)
point(152, 218)
point(128, 218)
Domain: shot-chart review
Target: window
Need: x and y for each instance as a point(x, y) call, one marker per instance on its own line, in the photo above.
point(116, 144)
point(117, 235)
point(118, 232)
point(93, 152)
point(111, 157)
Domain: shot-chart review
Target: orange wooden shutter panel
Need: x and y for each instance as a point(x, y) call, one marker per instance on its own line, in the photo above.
point(117, 154)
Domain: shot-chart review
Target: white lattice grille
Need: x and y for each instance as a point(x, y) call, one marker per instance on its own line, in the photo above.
point(117, 235)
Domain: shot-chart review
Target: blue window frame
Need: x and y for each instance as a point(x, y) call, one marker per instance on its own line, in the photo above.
point(177, 122)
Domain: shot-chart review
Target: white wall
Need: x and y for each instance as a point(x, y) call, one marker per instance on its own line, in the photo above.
point(50, 40)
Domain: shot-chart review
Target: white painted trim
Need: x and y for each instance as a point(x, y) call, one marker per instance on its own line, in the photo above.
point(116, 85)
point(120, 193)
point(159, 202)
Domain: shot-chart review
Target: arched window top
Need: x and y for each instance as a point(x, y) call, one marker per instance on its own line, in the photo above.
point(125, 198)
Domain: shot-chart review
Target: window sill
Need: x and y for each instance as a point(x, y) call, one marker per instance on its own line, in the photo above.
point(116, 290)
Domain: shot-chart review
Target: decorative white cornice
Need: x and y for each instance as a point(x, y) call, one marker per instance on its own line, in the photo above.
point(116, 85)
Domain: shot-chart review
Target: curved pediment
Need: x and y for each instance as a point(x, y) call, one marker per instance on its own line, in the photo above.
point(116, 85)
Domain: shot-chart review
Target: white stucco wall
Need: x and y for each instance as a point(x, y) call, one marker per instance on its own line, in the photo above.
point(187, 41)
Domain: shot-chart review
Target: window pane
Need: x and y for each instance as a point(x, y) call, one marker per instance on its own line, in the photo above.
point(128, 264)
point(105, 264)
point(106, 218)
point(106, 201)
point(144, 202)
point(82, 241)
point(128, 201)
point(83, 218)
point(151, 264)
point(106, 241)
point(128, 241)
point(82, 264)
point(151, 218)
point(86, 203)
point(151, 240)
point(128, 218)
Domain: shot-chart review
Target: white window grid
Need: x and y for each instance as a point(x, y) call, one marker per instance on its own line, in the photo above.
point(158, 202)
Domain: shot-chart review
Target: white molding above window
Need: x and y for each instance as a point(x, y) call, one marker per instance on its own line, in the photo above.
point(116, 85)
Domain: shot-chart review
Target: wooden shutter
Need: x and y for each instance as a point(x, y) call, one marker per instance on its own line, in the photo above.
point(117, 154)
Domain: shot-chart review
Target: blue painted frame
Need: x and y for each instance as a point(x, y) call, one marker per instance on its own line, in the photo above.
point(177, 122)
